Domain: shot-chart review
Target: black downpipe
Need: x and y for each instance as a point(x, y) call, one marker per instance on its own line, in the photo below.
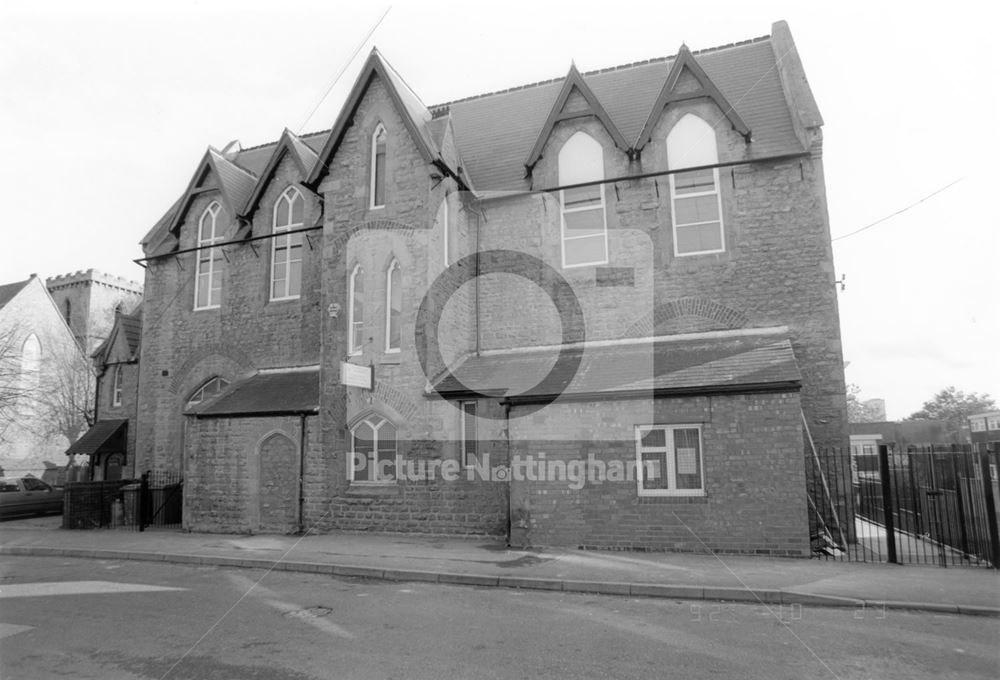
point(302, 471)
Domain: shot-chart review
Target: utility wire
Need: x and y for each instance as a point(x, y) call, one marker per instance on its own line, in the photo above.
point(899, 212)
point(344, 68)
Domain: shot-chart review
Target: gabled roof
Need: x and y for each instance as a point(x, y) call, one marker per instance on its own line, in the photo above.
point(289, 391)
point(415, 115)
point(574, 82)
point(721, 362)
point(669, 94)
point(9, 291)
point(234, 184)
point(495, 132)
point(300, 153)
point(129, 328)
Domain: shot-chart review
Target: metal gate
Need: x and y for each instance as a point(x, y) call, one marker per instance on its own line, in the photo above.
point(919, 505)
point(155, 499)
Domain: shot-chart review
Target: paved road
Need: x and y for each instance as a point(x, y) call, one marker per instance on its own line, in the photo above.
point(108, 620)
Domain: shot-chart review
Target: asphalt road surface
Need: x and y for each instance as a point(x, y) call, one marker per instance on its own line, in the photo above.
point(73, 618)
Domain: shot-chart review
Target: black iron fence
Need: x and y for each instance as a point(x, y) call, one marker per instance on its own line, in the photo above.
point(918, 505)
point(154, 499)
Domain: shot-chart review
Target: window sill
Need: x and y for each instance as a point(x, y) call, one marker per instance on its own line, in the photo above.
point(672, 500)
point(284, 300)
point(378, 489)
point(208, 309)
point(390, 359)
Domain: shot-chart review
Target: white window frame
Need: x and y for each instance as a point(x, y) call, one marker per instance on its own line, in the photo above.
point(198, 395)
point(211, 210)
point(572, 174)
point(464, 419)
point(375, 422)
point(689, 147)
point(668, 449)
point(353, 349)
point(389, 348)
point(373, 179)
point(288, 197)
point(116, 386)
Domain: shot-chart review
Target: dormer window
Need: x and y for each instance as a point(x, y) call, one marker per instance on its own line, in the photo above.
point(208, 275)
point(695, 197)
point(378, 167)
point(286, 249)
point(584, 218)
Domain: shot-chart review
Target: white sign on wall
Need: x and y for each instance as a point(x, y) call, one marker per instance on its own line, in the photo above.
point(357, 376)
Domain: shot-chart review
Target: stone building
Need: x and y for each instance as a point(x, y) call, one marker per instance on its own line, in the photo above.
point(44, 380)
point(89, 300)
point(110, 443)
point(597, 310)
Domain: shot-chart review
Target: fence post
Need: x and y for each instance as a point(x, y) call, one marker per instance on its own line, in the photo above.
point(991, 509)
point(960, 498)
point(890, 525)
point(141, 508)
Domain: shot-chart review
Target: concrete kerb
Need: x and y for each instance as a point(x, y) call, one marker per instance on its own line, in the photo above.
point(652, 590)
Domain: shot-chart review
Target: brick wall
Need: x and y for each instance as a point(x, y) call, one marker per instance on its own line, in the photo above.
point(755, 499)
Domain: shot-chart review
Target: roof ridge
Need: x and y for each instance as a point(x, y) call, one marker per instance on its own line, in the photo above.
point(609, 69)
point(266, 144)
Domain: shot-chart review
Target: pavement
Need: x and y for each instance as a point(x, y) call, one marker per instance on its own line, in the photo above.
point(487, 562)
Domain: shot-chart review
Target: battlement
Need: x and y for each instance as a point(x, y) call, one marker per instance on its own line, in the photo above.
point(92, 276)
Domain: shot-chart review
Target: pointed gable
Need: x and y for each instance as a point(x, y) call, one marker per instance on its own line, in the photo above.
point(302, 156)
point(215, 171)
point(415, 115)
point(122, 344)
point(575, 100)
point(688, 80)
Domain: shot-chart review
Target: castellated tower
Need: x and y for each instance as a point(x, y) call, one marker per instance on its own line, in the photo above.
point(88, 301)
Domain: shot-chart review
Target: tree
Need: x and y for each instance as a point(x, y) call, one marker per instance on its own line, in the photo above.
point(954, 406)
point(858, 411)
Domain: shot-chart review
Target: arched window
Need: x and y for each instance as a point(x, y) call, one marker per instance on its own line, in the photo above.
point(584, 220)
point(694, 196)
point(31, 363)
point(444, 229)
point(116, 386)
point(356, 314)
point(208, 277)
point(393, 306)
point(68, 311)
point(286, 249)
point(210, 388)
point(373, 451)
point(378, 167)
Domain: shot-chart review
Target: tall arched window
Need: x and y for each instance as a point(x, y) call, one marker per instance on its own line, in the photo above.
point(68, 311)
point(373, 451)
point(444, 229)
point(356, 314)
point(378, 167)
point(116, 386)
point(584, 220)
point(393, 306)
point(31, 363)
point(286, 249)
point(208, 277)
point(695, 198)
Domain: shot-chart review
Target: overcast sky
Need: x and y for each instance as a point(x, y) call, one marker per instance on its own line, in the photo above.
point(106, 108)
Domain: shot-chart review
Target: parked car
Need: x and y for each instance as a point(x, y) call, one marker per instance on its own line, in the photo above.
point(28, 496)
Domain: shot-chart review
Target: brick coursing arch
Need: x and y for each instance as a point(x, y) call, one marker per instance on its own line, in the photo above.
point(705, 308)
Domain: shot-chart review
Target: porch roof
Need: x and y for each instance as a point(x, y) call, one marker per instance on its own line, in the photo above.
point(274, 392)
point(102, 434)
point(702, 363)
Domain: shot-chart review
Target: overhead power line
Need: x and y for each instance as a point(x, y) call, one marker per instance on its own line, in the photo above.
point(899, 212)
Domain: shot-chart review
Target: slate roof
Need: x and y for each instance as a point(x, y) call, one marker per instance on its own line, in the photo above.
point(290, 391)
point(669, 365)
point(9, 290)
point(103, 432)
point(495, 132)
